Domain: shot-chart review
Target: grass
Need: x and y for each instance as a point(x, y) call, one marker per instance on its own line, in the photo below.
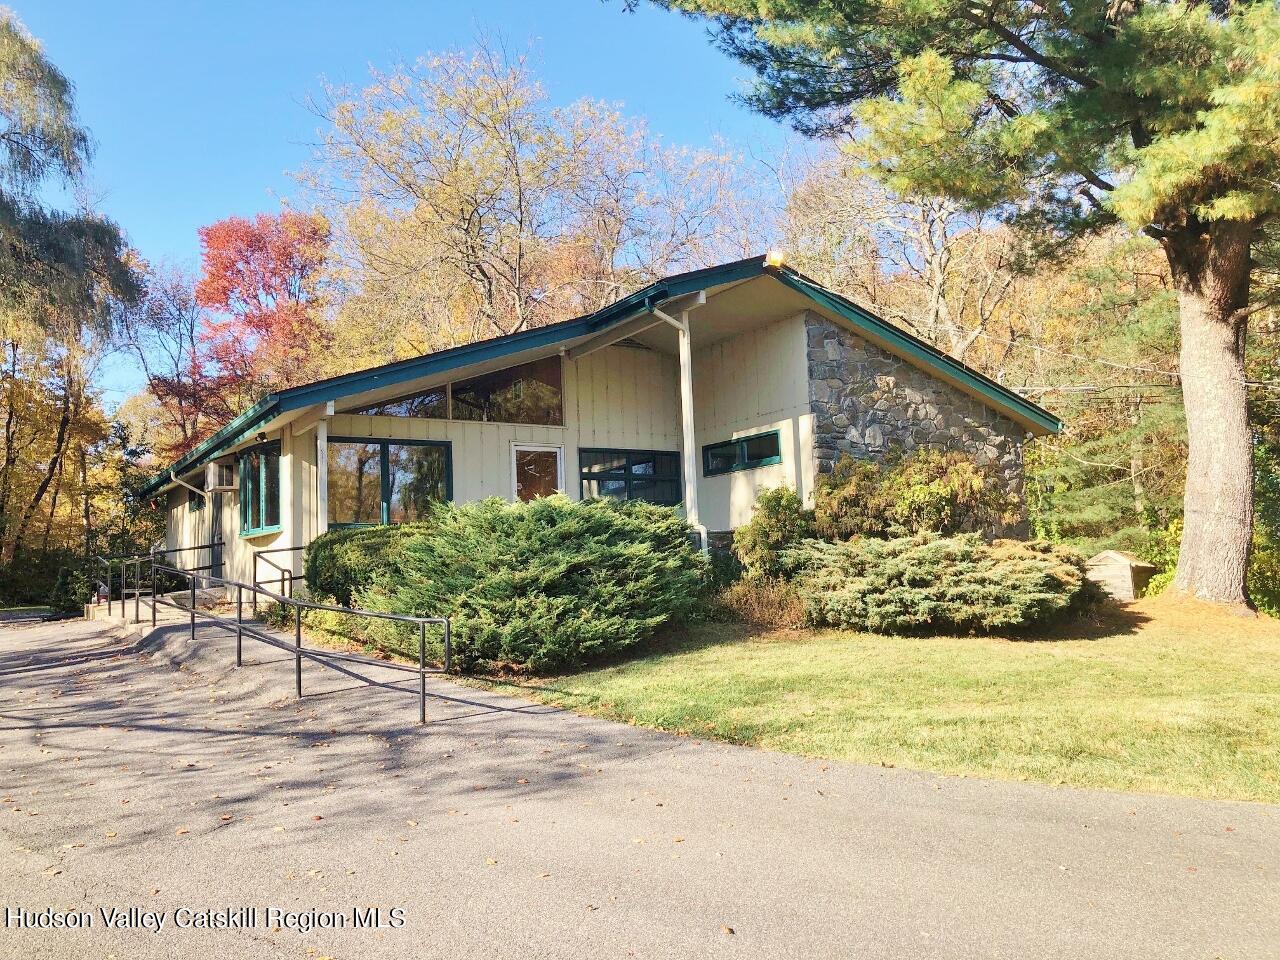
point(1160, 697)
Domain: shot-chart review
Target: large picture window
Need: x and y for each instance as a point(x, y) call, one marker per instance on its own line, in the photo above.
point(745, 453)
point(386, 481)
point(529, 393)
point(652, 475)
point(260, 490)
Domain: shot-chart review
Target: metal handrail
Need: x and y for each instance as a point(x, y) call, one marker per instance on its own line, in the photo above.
point(299, 652)
point(285, 572)
point(137, 559)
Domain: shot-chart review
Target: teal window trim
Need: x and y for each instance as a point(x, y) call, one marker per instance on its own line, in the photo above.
point(384, 467)
point(626, 475)
point(741, 462)
point(256, 487)
point(195, 501)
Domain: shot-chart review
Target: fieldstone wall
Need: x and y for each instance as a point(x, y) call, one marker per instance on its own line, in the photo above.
point(866, 402)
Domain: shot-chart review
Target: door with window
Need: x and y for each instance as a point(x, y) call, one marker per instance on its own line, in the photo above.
point(537, 470)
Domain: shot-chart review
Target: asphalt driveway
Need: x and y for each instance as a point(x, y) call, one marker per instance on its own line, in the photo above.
point(502, 829)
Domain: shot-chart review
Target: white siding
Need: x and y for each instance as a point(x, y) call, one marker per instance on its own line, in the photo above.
point(618, 397)
point(625, 397)
point(753, 383)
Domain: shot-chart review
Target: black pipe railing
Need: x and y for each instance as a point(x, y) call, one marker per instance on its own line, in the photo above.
point(137, 560)
point(286, 573)
point(243, 629)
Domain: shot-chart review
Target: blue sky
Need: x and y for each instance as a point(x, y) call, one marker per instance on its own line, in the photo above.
point(198, 109)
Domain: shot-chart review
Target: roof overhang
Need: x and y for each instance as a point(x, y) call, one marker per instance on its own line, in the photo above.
point(622, 318)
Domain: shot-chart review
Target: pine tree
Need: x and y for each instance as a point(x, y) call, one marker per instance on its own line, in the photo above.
point(1075, 115)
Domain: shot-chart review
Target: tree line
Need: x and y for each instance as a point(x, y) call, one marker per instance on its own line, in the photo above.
point(1045, 232)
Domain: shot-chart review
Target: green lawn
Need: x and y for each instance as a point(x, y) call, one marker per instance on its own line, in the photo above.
point(1170, 699)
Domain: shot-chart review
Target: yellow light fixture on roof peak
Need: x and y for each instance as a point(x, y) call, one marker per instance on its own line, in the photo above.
point(775, 258)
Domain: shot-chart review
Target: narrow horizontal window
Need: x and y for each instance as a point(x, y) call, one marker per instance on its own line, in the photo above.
point(651, 475)
point(744, 453)
point(430, 404)
point(528, 393)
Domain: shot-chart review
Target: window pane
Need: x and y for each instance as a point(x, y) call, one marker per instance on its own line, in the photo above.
point(667, 465)
point(722, 457)
point(355, 483)
point(605, 488)
point(603, 461)
point(271, 470)
point(431, 403)
point(251, 490)
point(195, 501)
point(666, 492)
point(644, 463)
point(419, 476)
point(529, 393)
point(537, 473)
point(762, 447)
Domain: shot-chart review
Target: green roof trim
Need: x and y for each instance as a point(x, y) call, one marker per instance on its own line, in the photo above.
point(403, 371)
point(911, 346)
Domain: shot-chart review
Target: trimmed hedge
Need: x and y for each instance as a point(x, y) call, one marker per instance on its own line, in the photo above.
point(342, 563)
point(932, 584)
point(546, 585)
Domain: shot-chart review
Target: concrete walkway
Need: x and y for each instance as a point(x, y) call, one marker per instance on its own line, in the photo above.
point(504, 829)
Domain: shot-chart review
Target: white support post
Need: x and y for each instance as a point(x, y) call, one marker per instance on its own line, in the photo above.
point(690, 445)
point(322, 477)
point(288, 502)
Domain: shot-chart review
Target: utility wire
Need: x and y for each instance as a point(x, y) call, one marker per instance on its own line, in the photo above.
point(1076, 356)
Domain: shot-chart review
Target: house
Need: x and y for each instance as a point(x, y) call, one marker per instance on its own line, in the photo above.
point(698, 391)
point(1121, 574)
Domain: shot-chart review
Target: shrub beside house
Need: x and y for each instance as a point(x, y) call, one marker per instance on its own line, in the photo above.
point(541, 586)
point(899, 548)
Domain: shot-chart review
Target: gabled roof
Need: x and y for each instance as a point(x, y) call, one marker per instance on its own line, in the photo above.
point(642, 301)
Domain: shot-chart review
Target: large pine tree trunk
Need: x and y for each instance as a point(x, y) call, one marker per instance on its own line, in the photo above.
point(1211, 265)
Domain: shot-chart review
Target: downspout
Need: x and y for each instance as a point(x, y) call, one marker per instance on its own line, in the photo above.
point(182, 483)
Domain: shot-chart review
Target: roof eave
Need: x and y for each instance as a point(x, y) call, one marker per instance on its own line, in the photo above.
point(234, 432)
point(1031, 415)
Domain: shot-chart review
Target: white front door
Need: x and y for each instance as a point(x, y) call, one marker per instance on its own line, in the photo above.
point(537, 470)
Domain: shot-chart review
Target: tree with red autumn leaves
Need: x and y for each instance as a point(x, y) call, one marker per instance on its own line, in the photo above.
point(211, 347)
point(259, 279)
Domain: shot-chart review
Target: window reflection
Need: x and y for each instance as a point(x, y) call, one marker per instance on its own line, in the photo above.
point(355, 483)
point(529, 393)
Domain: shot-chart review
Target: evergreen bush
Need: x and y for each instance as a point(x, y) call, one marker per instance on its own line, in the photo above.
point(72, 589)
point(545, 585)
point(779, 521)
point(933, 584)
point(341, 563)
point(930, 490)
